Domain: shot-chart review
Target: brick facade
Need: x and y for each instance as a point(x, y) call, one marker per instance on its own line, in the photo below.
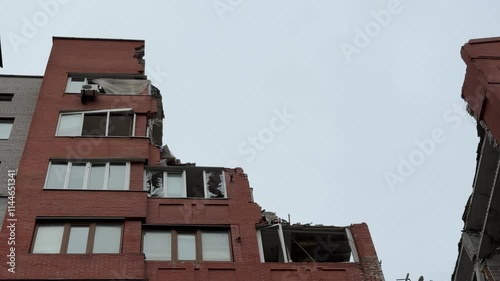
point(133, 208)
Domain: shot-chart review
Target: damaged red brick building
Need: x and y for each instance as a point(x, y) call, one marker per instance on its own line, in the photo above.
point(479, 247)
point(97, 196)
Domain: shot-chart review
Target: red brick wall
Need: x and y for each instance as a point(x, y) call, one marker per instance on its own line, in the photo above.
point(133, 207)
point(481, 89)
point(85, 56)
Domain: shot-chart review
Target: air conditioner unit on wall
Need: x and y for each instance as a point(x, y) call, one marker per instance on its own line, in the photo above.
point(89, 92)
point(90, 89)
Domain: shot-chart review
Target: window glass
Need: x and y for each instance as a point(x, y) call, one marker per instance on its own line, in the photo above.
point(69, 125)
point(78, 237)
point(215, 184)
point(95, 177)
point(116, 178)
point(107, 239)
point(48, 239)
point(215, 246)
point(157, 245)
point(5, 127)
point(57, 175)
point(75, 85)
point(76, 176)
point(94, 124)
point(175, 186)
point(186, 246)
point(154, 183)
point(120, 124)
point(96, 180)
point(195, 185)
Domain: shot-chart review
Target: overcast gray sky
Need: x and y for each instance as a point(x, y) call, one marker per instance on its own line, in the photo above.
point(340, 111)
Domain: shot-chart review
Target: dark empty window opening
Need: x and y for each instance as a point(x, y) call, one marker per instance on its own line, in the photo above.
point(6, 97)
point(305, 244)
point(94, 124)
point(271, 245)
point(120, 124)
point(194, 182)
point(310, 246)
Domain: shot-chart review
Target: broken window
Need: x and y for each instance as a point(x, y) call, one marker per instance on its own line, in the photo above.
point(215, 186)
point(154, 183)
point(195, 184)
point(271, 245)
point(122, 85)
point(285, 243)
point(187, 183)
point(155, 130)
point(116, 122)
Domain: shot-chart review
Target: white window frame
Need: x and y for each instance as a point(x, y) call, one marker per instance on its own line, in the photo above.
point(198, 244)
point(70, 79)
point(86, 176)
point(352, 244)
point(66, 234)
point(205, 189)
point(165, 186)
point(108, 113)
point(184, 184)
point(284, 249)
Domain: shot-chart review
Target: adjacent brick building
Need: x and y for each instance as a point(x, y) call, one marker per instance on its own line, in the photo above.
point(18, 95)
point(99, 198)
point(479, 247)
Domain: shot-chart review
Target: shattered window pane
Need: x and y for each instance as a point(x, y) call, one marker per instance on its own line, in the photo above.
point(185, 184)
point(195, 185)
point(215, 184)
point(154, 183)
